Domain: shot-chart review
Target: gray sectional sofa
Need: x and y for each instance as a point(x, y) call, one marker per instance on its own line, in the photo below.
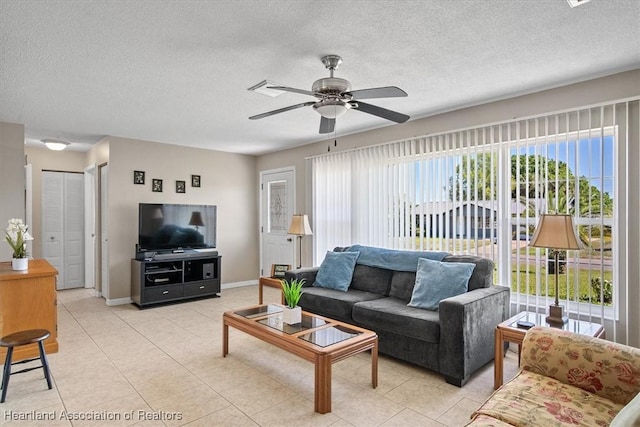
point(454, 340)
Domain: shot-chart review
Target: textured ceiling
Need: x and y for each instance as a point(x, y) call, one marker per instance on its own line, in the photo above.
point(178, 71)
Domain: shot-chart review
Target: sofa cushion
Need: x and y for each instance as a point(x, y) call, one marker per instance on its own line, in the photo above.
point(336, 270)
point(436, 281)
point(402, 284)
point(331, 303)
point(371, 279)
point(482, 276)
point(532, 399)
point(595, 367)
point(393, 315)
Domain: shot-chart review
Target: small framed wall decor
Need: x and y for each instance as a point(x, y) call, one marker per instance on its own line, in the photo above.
point(278, 270)
point(180, 187)
point(156, 185)
point(195, 180)
point(138, 177)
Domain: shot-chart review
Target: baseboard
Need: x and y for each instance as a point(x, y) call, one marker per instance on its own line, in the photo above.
point(118, 301)
point(238, 284)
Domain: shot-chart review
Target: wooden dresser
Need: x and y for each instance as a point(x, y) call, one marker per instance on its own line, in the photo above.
point(28, 301)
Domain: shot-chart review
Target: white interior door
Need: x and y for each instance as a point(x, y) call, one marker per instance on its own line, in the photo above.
point(73, 230)
point(277, 208)
point(104, 232)
point(52, 222)
point(63, 226)
point(89, 226)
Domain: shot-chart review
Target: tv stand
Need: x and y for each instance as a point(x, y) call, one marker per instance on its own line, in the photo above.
point(175, 276)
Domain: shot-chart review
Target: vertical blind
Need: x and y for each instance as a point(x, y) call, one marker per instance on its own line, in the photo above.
point(481, 191)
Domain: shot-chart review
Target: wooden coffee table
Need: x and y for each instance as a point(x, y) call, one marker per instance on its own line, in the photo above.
point(318, 339)
point(272, 283)
point(508, 331)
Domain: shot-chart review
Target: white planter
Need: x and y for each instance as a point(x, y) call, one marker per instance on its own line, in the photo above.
point(291, 316)
point(20, 263)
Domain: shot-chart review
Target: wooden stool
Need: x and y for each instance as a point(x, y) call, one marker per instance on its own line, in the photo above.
point(16, 340)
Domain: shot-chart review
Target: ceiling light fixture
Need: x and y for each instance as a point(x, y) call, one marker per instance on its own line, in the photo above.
point(331, 108)
point(55, 144)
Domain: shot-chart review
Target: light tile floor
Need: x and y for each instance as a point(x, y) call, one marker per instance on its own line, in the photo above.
point(163, 366)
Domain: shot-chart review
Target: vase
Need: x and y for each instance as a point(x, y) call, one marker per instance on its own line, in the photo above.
point(291, 316)
point(20, 263)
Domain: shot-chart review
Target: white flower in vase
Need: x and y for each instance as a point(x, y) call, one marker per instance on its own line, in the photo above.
point(17, 236)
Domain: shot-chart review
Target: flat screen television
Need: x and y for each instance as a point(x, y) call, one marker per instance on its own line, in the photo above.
point(163, 226)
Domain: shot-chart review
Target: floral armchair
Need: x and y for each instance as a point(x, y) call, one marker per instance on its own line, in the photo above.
point(567, 379)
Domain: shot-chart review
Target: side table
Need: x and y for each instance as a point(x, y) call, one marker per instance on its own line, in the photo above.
point(272, 283)
point(508, 331)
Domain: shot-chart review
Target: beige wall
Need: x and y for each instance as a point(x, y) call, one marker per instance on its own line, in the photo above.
point(45, 159)
point(12, 180)
point(615, 87)
point(227, 180)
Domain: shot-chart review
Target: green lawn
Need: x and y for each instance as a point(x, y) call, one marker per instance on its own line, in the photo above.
point(525, 282)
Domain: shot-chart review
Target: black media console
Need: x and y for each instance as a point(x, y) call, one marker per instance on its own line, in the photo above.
point(174, 276)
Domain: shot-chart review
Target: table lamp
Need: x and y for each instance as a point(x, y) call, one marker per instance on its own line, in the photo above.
point(300, 227)
point(555, 232)
point(196, 220)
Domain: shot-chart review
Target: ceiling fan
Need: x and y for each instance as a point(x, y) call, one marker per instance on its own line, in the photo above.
point(335, 97)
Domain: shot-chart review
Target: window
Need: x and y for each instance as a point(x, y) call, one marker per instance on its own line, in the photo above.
point(481, 191)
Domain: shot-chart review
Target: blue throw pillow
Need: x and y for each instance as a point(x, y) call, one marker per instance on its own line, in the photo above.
point(437, 280)
point(336, 270)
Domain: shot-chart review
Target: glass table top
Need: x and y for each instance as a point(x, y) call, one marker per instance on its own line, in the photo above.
point(259, 311)
point(577, 326)
point(328, 336)
point(308, 322)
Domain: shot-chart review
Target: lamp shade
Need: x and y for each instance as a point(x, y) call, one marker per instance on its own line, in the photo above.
point(196, 219)
point(300, 225)
point(157, 214)
point(555, 232)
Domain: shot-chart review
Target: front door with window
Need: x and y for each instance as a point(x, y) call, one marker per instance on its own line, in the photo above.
point(277, 206)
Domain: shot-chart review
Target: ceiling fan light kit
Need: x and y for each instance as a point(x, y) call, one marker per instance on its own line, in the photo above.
point(331, 108)
point(335, 98)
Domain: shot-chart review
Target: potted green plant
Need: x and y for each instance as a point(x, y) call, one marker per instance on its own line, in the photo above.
point(292, 290)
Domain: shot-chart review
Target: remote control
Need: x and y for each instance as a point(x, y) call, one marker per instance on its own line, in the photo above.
point(525, 325)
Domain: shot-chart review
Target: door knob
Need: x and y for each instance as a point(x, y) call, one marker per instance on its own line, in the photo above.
point(289, 239)
point(52, 238)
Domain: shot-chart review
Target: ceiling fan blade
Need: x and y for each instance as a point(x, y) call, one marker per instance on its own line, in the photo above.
point(327, 125)
point(294, 90)
point(377, 92)
point(281, 110)
point(394, 116)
